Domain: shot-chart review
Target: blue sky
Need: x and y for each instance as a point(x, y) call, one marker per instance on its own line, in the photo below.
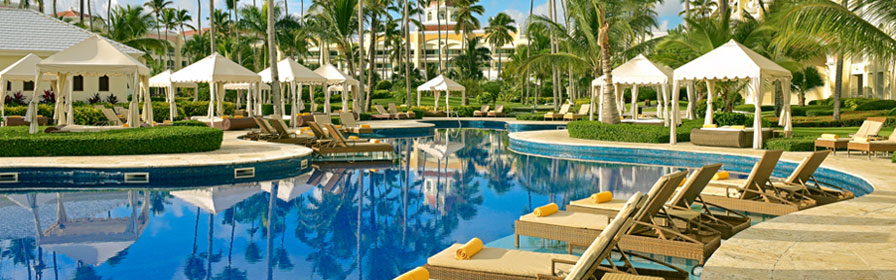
point(518, 9)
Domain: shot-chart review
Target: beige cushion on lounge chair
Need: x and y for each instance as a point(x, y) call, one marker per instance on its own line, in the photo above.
point(622, 276)
point(683, 214)
point(571, 219)
point(501, 261)
point(612, 205)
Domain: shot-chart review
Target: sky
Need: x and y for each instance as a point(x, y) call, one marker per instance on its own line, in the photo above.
point(517, 9)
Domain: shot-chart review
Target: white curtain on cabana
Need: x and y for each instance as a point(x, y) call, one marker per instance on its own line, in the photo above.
point(216, 70)
point(293, 75)
point(337, 80)
point(21, 71)
point(93, 56)
point(438, 85)
point(734, 62)
point(638, 72)
point(163, 81)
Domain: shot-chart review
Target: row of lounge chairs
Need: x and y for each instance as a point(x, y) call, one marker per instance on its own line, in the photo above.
point(328, 142)
point(866, 140)
point(392, 113)
point(485, 112)
point(566, 115)
point(678, 218)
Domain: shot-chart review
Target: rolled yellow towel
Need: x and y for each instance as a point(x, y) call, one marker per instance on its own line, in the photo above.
point(353, 137)
point(469, 249)
point(738, 127)
point(860, 139)
point(710, 126)
point(310, 133)
point(830, 136)
point(682, 182)
point(125, 125)
point(238, 117)
point(721, 175)
point(546, 210)
point(307, 128)
point(601, 197)
point(375, 141)
point(418, 273)
point(337, 126)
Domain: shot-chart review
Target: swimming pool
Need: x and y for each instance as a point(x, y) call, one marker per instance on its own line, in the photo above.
point(334, 222)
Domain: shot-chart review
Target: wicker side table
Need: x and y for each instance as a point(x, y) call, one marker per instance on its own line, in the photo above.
point(833, 145)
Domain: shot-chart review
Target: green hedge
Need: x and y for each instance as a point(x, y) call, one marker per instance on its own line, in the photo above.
point(189, 123)
point(595, 130)
point(800, 111)
point(791, 144)
point(15, 141)
point(877, 105)
point(847, 119)
point(751, 108)
point(530, 117)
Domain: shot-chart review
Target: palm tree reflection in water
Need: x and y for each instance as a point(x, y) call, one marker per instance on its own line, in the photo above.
point(370, 222)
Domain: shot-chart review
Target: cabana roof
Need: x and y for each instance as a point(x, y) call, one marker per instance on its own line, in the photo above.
point(638, 71)
point(731, 61)
point(441, 83)
point(291, 71)
point(215, 200)
point(215, 68)
point(334, 76)
point(94, 56)
point(23, 70)
point(163, 80)
point(244, 86)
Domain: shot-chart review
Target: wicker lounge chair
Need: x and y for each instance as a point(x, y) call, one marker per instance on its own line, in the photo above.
point(266, 131)
point(583, 112)
point(679, 207)
point(349, 124)
point(111, 117)
point(564, 109)
point(340, 146)
point(872, 147)
point(394, 111)
point(286, 136)
point(482, 112)
point(495, 263)
point(120, 110)
point(801, 177)
point(323, 137)
point(651, 234)
point(382, 114)
point(870, 128)
point(756, 194)
point(497, 112)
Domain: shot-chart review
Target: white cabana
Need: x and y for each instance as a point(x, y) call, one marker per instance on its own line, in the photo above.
point(217, 70)
point(734, 62)
point(438, 85)
point(22, 70)
point(93, 56)
point(336, 77)
point(637, 72)
point(291, 73)
point(291, 188)
point(215, 200)
point(163, 81)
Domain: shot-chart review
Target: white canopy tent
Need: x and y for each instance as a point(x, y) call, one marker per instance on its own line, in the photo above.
point(215, 200)
point(217, 70)
point(93, 56)
point(163, 81)
point(22, 70)
point(336, 77)
point(294, 75)
point(438, 85)
point(637, 72)
point(734, 62)
point(289, 189)
point(249, 88)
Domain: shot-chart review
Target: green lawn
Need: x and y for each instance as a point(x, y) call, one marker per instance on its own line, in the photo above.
point(841, 131)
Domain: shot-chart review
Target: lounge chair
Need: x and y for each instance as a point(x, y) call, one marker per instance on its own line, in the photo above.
point(564, 109)
point(583, 112)
point(495, 263)
point(756, 193)
point(651, 234)
point(349, 124)
point(266, 131)
point(872, 147)
point(382, 114)
point(286, 136)
point(482, 112)
point(801, 177)
point(394, 111)
point(679, 207)
point(341, 146)
point(323, 137)
point(870, 129)
point(120, 110)
point(111, 117)
point(497, 112)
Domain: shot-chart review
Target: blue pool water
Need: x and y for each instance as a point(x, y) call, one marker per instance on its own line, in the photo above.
point(371, 221)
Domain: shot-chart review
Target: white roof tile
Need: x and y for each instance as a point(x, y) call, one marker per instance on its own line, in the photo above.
point(31, 31)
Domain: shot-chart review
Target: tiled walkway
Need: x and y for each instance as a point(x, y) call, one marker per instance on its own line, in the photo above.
point(854, 239)
point(233, 151)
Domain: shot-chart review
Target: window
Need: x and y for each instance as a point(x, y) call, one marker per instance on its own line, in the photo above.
point(28, 86)
point(104, 83)
point(8, 86)
point(78, 83)
point(183, 64)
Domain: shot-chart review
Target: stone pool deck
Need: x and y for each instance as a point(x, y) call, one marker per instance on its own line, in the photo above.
point(233, 151)
point(852, 239)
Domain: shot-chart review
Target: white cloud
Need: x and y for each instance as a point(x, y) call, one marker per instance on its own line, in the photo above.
point(542, 9)
point(670, 8)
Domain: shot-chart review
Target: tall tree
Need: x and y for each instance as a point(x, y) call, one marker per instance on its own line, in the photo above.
point(156, 7)
point(466, 20)
point(498, 34)
point(407, 53)
point(272, 53)
point(211, 26)
point(80, 11)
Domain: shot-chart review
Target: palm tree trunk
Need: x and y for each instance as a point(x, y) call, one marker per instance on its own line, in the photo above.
point(372, 59)
point(55, 12)
point(362, 89)
point(463, 46)
point(272, 53)
point(610, 114)
point(407, 54)
point(81, 11)
point(528, 54)
point(554, 79)
point(425, 55)
point(838, 82)
point(211, 26)
point(108, 14)
point(90, 11)
point(439, 27)
point(198, 15)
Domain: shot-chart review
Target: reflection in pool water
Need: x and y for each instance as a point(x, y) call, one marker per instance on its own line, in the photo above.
point(335, 222)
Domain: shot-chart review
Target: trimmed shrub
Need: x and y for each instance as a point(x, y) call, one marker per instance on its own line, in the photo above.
point(731, 118)
point(15, 141)
point(847, 119)
point(791, 144)
point(200, 108)
point(751, 108)
point(189, 123)
point(88, 115)
point(892, 112)
point(381, 94)
point(800, 111)
point(877, 105)
point(530, 117)
point(385, 85)
point(465, 111)
point(634, 133)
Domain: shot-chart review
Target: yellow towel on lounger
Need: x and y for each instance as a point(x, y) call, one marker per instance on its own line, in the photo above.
point(353, 137)
point(738, 127)
point(710, 126)
point(365, 126)
point(468, 250)
point(830, 136)
point(721, 175)
point(601, 197)
point(860, 139)
point(337, 126)
point(375, 141)
point(418, 273)
point(546, 210)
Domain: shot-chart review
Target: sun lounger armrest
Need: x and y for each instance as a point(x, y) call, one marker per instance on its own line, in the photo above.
point(554, 263)
point(657, 261)
point(545, 276)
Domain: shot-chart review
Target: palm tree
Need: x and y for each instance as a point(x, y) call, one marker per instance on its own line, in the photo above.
point(183, 18)
point(169, 21)
point(211, 25)
point(498, 34)
point(466, 21)
point(471, 60)
point(156, 7)
point(335, 19)
point(805, 80)
point(272, 53)
point(129, 25)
